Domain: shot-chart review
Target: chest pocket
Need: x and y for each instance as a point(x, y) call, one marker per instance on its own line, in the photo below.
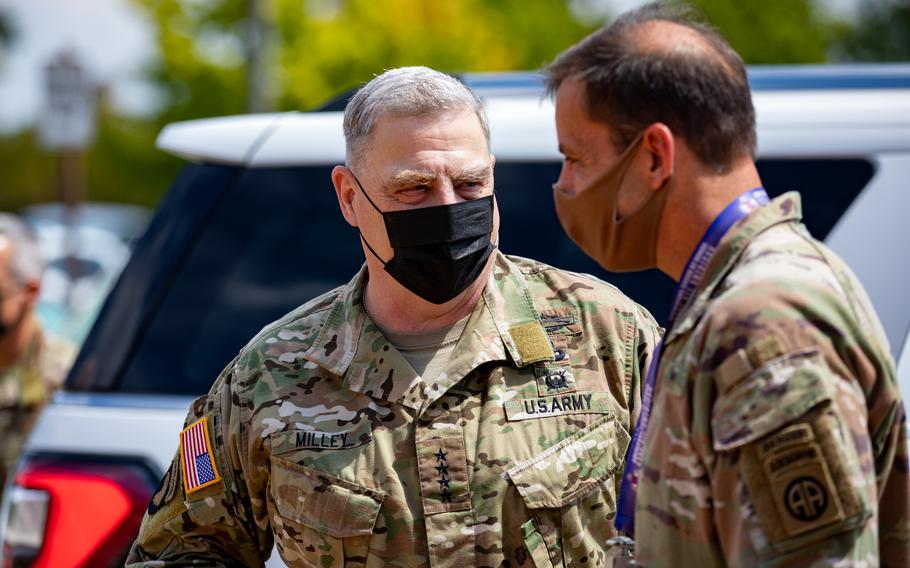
point(321, 520)
point(570, 493)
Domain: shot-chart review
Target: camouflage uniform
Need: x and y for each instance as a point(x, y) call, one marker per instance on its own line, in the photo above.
point(24, 390)
point(329, 443)
point(778, 436)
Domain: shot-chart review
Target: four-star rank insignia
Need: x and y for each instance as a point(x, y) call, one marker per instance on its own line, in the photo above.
point(443, 469)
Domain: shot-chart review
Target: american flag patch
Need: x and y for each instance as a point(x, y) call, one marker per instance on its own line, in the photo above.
point(199, 468)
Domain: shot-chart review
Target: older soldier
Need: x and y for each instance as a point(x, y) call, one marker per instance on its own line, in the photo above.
point(449, 406)
point(32, 364)
point(777, 434)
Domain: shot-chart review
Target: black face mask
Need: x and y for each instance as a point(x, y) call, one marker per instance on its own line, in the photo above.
point(438, 251)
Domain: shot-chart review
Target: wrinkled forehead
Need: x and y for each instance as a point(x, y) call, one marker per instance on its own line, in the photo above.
point(418, 123)
point(454, 135)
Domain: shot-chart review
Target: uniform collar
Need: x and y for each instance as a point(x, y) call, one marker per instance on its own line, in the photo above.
point(505, 325)
point(783, 209)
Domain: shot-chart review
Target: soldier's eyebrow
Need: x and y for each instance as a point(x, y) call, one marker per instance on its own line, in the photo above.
point(409, 178)
point(480, 174)
point(413, 178)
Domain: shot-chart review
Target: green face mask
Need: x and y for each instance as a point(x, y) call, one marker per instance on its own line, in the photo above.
point(591, 219)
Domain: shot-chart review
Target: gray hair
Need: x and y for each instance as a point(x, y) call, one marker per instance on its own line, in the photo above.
point(27, 262)
point(405, 91)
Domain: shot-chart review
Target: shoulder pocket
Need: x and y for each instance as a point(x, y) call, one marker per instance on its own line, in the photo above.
point(569, 490)
point(777, 393)
point(796, 455)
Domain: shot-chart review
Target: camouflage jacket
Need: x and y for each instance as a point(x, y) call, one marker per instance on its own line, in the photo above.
point(24, 390)
point(328, 443)
point(778, 436)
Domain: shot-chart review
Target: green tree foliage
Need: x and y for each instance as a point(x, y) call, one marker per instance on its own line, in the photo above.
point(321, 48)
point(883, 33)
point(773, 31)
point(199, 70)
point(28, 174)
point(122, 165)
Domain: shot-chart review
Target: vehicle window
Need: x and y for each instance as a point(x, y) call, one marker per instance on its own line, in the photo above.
point(277, 240)
point(158, 253)
point(827, 186)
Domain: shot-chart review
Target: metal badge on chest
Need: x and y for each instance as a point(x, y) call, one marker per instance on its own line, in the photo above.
point(556, 377)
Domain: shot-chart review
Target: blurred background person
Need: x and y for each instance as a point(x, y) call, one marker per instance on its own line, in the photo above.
point(32, 364)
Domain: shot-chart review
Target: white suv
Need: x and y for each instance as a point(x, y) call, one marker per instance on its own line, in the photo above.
point(251, 229)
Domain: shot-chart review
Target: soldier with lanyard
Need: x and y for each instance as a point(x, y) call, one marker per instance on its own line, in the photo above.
point(772, 429)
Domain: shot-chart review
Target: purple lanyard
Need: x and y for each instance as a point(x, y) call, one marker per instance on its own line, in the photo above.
point(688, 284)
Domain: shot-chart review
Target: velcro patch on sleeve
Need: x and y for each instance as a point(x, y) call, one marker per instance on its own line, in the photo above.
point(733, 368)
point(764, 350)
point(199, 469)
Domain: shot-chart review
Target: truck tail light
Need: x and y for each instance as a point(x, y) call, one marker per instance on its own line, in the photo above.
point(70, 513)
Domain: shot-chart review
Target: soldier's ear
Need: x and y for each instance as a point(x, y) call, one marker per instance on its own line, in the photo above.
point(345, 190)
point(661, 146)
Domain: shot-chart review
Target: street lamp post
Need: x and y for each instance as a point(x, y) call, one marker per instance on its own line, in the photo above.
point(66, 128)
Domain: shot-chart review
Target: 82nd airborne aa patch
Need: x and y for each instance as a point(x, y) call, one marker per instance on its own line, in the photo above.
point(804, 492)
point(199, 469)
